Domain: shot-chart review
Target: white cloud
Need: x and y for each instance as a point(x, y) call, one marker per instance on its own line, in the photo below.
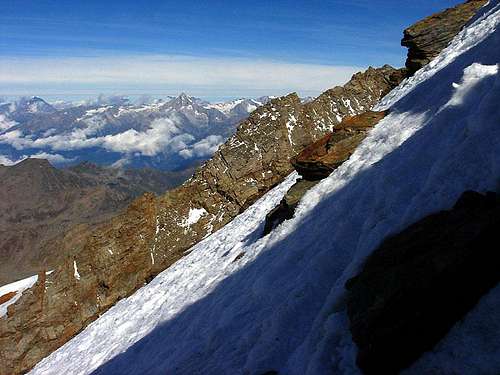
point(6, 161)
point(6, 123)
point(173, 71)
point(203, 148)
point(163, 135)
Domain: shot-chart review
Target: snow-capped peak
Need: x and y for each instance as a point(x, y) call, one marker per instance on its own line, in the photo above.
point(35, 104)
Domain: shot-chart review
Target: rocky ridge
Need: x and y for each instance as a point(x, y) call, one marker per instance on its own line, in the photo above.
point(427, 38)
point(424, 40)
point(132, 248)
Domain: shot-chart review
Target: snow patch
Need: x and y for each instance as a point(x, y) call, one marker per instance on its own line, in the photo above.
point(75, 269)
point(290, 125)
point(194, 215)
point(472, 76)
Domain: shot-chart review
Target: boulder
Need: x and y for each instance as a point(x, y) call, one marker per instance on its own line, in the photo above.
point(319, 159)
point(427, 38)
point(421, 281)
point(286, 208)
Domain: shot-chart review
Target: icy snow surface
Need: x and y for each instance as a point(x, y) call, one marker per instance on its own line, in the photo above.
point(194, 216)
point(280, 306)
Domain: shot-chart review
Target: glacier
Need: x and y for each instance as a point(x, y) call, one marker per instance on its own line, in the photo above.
point(242, 304)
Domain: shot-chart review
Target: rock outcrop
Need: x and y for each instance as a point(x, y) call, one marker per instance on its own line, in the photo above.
point(420, 282)
point(131, 249)
point(286, 208)
point(321, 158)
point(7, 297)
point(427, 38)
point(39, 204)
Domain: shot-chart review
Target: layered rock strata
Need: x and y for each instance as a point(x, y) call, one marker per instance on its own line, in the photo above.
point(427, 38)
point(321, 158)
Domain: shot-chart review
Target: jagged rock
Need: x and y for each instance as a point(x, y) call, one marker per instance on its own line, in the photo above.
point(427, 38)
point(286, 208)
point(319, 159)
point(420, 282)
point(131, 249)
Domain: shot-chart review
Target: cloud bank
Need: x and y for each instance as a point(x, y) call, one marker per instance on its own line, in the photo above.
point(162, 136)
point(172, 71)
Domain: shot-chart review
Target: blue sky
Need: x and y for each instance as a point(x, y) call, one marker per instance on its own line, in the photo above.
point(207, 48)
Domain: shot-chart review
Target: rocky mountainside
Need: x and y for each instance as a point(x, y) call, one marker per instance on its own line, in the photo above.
point(427, 38)
point(130, 249)
point(152, 234)
point(165, 134)
point(242, 303)
point(39, 203)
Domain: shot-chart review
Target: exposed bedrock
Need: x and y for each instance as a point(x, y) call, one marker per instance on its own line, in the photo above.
point(427, 38)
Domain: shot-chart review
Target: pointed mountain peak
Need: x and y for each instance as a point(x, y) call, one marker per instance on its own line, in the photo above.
point(184, 98)
point(35, 104)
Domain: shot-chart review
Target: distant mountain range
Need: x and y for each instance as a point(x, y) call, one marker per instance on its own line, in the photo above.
point(169, 134)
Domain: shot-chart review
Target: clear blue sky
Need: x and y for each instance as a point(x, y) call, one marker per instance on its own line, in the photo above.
point(82, 47)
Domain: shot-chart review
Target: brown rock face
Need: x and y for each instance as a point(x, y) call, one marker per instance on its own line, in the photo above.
point(319, 159)
point(131, 249)
point(39, 204)
point(427, 38)
point(420, 282)
point(7, 297)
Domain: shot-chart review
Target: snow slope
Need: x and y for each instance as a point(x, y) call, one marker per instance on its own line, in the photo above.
point(280, 305)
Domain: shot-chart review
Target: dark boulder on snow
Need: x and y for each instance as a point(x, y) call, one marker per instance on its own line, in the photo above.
point(423, 280)
point(427, 38)
point(322, 157)
point(286, 208)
